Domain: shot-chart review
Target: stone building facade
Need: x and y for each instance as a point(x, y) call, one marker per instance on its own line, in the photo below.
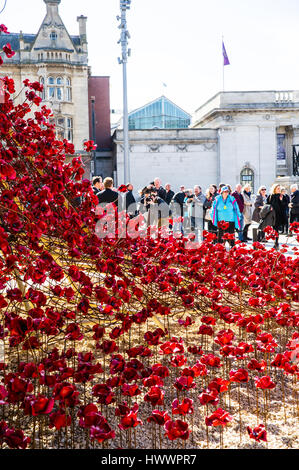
point(60, 62)
point(258, 135)
point(178, 156)
point(236, 137)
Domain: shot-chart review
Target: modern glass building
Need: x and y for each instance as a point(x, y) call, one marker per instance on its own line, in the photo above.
point(159, 114)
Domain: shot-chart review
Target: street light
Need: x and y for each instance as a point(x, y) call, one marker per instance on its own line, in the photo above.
point(125, 35)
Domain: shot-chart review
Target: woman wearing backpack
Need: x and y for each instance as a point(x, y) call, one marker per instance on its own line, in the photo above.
point(260, 201)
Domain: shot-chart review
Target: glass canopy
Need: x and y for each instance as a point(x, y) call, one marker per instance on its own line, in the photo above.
point(159, 114)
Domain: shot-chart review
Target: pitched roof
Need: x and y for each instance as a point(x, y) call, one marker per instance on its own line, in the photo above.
point(155, 101)
point(14, 40)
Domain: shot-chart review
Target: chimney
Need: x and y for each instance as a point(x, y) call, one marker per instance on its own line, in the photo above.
point(82, 20)
point(22, 43)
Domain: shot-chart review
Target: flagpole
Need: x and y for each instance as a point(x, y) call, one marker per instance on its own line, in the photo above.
point(222, 64)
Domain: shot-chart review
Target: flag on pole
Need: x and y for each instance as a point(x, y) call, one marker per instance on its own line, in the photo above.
point(225, 56)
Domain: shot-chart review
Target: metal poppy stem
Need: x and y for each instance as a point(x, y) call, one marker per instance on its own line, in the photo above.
point(283, 397)
point(240, 412)
point(221, 437)
point(257, 406)
point(207, 428)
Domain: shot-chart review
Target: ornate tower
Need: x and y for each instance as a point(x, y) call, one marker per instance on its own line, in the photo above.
point(60, 62)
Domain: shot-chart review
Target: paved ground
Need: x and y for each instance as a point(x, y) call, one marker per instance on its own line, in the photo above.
point(291, 242)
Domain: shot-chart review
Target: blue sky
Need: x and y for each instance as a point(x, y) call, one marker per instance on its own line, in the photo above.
point(178, 42)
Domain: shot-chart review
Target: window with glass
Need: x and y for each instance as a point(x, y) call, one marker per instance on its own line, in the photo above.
point(43, 93)
point(59, 89)
point(69, 129)
point(60, 130)
point(68, 89)
point(63, 127)
point(160, 114)
point(53, 36)
point(247, 177)
point(281, 149)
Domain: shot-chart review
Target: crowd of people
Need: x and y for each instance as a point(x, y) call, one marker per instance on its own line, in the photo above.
point(220, 209)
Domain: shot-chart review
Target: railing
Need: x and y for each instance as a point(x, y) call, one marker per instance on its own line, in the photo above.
point(284, 96)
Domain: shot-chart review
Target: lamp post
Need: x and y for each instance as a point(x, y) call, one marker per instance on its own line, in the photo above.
point(124, 6)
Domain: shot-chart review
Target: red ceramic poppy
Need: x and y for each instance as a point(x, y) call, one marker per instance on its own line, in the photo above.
point(258, 433)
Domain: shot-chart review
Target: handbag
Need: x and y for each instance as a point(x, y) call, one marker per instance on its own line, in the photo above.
point(265, 211)
point(208, 214)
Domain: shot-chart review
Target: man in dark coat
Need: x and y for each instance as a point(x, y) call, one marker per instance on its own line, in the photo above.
point(131, 206)
point(240, 201)
point(168, 200)
point(169, 193)
point(108, 194)
point(294, 204)
point(178, 200)
point(161, 192)
point(97, 185)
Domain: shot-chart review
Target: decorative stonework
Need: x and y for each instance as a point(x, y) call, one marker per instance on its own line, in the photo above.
point(209, 147)
point(182, 148)
point(154, 148)
point(122, 149)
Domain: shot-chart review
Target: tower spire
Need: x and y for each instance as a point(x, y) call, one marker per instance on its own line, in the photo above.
point(52, 5)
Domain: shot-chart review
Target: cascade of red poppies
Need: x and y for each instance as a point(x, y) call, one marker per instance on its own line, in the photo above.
point(131, 341)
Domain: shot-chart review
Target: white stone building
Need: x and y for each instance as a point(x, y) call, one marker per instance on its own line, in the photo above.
point(235, 137)
point(258, 135)
point(177, 156)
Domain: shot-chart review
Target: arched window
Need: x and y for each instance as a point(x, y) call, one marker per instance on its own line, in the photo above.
point(247, 177)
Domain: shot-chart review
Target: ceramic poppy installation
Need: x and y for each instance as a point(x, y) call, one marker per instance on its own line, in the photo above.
point(124, 342)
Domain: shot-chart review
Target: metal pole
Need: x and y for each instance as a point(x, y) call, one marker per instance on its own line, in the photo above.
point(126, 128)
point(124, 6)
point(222, 65)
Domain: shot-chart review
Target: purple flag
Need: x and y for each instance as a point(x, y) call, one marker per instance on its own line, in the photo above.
point(225, 57)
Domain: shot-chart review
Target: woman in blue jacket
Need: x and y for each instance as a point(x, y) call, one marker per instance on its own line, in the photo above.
point(225, 208)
